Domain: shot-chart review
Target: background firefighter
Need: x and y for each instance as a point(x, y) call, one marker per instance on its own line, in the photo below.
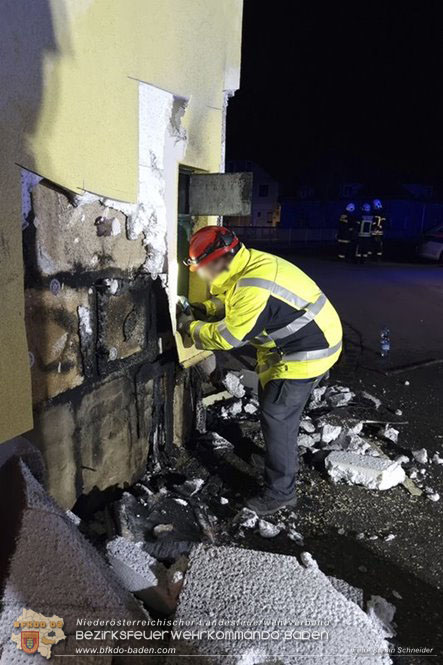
point(378, 229)
point(264, 300)
point(363, 234)
point(346, 228)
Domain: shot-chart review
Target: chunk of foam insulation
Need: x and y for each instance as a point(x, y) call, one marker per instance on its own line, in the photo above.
point(330, 432)
point(420, 455)
point(143, 575)
point(374, 473)
point(233, 385)
point(209, 400)
point(262, 591)
point(52, 569)
point(381, 612)
point(350, 592)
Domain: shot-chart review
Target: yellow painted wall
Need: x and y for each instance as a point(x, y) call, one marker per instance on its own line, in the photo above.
point(69, 74)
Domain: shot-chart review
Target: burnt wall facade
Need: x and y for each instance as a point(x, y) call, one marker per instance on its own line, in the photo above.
point(107, 389)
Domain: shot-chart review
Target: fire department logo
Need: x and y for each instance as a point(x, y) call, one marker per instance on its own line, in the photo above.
point(30, 640)
point(37, 633)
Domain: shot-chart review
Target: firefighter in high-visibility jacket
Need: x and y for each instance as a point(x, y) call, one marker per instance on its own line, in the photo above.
point(346, 232)
point(378, 229)
point(266, 301)
point(363, 235)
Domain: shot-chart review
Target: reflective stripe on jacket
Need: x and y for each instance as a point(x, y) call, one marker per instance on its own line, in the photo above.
point(273, 305)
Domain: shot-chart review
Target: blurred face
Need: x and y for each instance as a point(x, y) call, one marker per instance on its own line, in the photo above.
point(213, 269)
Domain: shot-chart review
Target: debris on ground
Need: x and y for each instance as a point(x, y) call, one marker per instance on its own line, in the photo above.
point(307, 425)
point(190, 487)
point(246, 518)
point(431, 494)
point(330, 433)
point(371, 398)
point(381, 612)
point(390, 433)
point(273, 590)
point(233, 385)
point(51, 566)
point(160, 529)
point(296, 536)
point(267, 529)
point(372, 472)
point(340, 398)
point(196, 507)
point(251, 408)
point(420, 455)
point(231, 411)
point(216, 441)
point(144, 576)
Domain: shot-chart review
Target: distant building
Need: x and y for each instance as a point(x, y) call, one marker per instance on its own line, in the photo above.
point(265, 210)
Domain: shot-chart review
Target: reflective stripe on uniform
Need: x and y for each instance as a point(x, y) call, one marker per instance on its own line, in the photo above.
point(227, 336)
point(343, 240)
point(311, 312)
point(313, 355)
point(275, 289)
point(319, 354)
point(219, 305)
point(196, 335)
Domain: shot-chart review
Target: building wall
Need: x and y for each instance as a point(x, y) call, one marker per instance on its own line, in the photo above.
point(103, 100)
point(265, 208)
point(69, 111)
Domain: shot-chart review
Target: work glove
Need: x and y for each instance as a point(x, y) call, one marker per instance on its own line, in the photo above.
point(199, 311)
point(184, 321)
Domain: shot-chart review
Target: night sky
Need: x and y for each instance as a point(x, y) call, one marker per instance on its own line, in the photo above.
point(341, 90)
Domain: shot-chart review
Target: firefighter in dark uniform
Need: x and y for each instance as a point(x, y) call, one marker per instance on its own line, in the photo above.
point(363, 236)
point(346, 227)
point(378, 228)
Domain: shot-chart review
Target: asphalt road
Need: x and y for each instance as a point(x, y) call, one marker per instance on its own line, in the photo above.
point(408, 298)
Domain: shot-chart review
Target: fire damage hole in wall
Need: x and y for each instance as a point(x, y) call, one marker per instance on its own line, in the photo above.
point(107, 387)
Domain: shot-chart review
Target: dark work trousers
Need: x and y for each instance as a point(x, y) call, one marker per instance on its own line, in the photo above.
point(377, 247)
point(281, 403)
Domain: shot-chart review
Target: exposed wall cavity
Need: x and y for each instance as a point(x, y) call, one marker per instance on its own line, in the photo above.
point(106, 384)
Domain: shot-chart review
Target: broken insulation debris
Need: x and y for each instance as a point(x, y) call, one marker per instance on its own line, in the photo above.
point(177, 539)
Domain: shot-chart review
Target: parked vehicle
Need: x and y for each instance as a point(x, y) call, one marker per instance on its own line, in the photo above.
point(431, 245)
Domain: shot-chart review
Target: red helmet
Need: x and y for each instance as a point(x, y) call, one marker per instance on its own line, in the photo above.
point(208, 244)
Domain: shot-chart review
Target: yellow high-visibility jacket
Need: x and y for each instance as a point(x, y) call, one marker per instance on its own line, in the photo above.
point(268, 302)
